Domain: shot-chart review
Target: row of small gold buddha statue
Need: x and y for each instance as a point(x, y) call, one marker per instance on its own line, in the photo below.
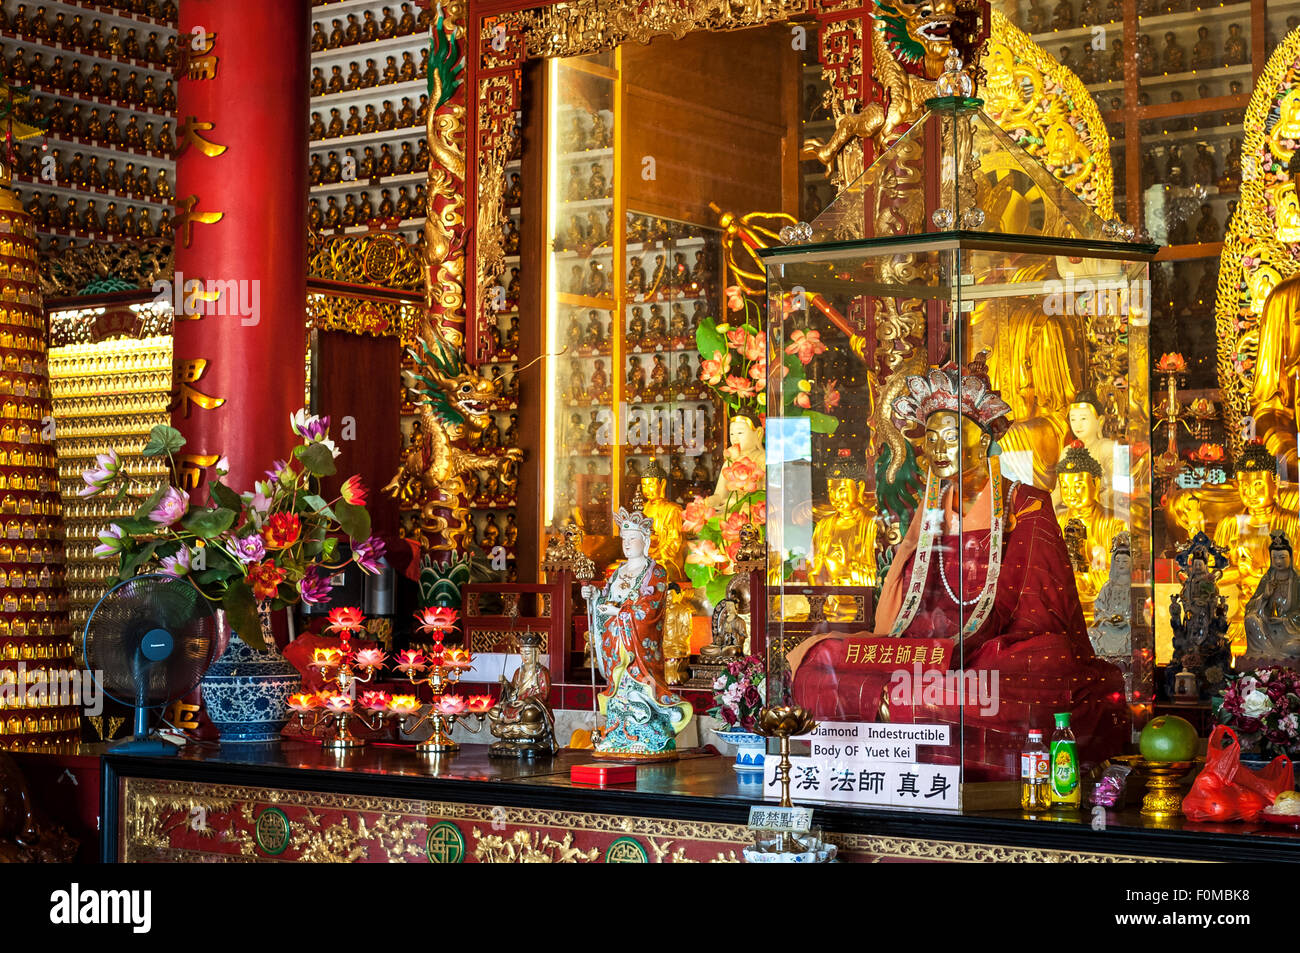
point(28, 482)
point(369, 28)
point(114, 405)
point(68, 123)
point(28, 68)
point(15, 318)
point(374, 120)
point(32, 650)
point(124, 428)
point(79, 363)
point(77, 448)
point(1036, 19)
point(31, 579)
point(10, 247)
point(44, 724)
point(11, 506)
point(39, 27)
point(126, 383)
point(133, 222)
point(406, 71)
point(25, 271)
point(15, 410)
point(363, 211)
point(11, 361)
point(40, 527)
point(369, 166)
point(44, 553)
point(37, 457)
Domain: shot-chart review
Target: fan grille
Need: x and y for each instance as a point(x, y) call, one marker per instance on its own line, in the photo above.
point(118, 625)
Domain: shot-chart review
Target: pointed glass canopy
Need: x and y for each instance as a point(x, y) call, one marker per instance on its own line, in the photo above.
point(955, 172)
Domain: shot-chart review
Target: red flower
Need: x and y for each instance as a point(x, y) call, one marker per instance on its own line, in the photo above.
point(281, 531)
point(344, 619)
point(438, 619)
point(265, 577)
point(354, 491)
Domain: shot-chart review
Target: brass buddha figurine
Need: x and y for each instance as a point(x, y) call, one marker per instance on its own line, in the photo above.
point(844, 537)
point(521, 719)
point(1247, 537)
point(1079, 479)
point(1272, 616)
point(668, 545)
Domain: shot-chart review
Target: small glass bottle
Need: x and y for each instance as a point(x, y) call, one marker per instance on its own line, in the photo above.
point(1034, 774)
point(1065, 789)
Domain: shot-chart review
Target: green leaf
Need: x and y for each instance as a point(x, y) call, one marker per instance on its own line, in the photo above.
point(709, 340)
point(328, 548)
point(241, 610)
point(147, 507)
point(317, 504)
point(209, 523)
point(821, 423)
point(136, 527)
point(162, 441)
point(225, 496)
point(699, 575)
point(133, 562)
point(318, 460)
point(717, 589)
point(354, 519)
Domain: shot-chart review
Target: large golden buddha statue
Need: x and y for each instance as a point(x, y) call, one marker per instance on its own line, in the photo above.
point(1246, 536)
point(1273, 397)
point(1079, 479)
point(667, 545)
point(844, 539)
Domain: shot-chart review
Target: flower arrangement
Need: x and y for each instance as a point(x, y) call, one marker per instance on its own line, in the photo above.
point(733, 357)
point(270, 548)
point(1263, 707)
point(737, 693)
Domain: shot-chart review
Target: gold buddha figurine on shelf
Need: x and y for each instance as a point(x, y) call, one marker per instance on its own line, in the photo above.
point(1079, 479)
point(521, 720)
point(668, 545)
point(844, 538)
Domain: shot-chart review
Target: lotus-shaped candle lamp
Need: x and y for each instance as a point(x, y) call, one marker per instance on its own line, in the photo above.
point(374, 701)
point(437, 619)
point(457, 658)
point(303, 701)
point(338, 703)
point(479, 703)
point(410, 660)
point(784, 721)
point(326, 658)
point(1171, 363)
point(450, 705)
point(403, 704)
point(368, 658)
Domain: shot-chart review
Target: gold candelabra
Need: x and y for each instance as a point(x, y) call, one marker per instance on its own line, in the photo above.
point(336, 707)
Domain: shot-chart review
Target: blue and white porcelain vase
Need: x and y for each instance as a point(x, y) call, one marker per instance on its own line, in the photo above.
point(750, 749)
point(246, 691)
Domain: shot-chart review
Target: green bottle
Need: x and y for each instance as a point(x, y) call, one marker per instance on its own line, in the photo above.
point(1064, 788)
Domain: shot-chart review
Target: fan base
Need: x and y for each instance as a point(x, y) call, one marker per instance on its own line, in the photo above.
point(150, 746)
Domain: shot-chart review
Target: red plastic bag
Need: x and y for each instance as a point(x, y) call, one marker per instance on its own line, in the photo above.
point(1227, 790)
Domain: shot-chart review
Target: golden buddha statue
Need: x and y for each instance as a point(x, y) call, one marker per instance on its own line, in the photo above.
point(844, 539)
point(1086, 421)
point(1079, 479)
point(667, 545)
point(1273, 394)
point(677, 636)
point(1246, 536)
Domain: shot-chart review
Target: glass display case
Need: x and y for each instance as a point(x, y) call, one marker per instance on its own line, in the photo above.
point(958, 469)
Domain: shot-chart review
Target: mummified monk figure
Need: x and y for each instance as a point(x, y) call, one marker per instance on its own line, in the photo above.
point(983, 564)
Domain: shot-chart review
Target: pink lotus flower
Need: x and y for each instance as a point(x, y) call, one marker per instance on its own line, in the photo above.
point(177, 565)
point(752, 346)
point(99, 476)
point(731, 526)
point(705, 552)
point(758, 513)
point(801, 400)
point(338, 703)
point(743, 475)
point(110, 542)
point(450, 704)
point(831, 397)
point(805, 344)
point(410, 660)
point(375, 701)
point(403, 704)
point(714, 369)
point(735, 298)
point(696, 514)
point(738, 386)
point(368, 658)
point(171, 507)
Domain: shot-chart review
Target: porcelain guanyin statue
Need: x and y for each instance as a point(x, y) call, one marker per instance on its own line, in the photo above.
point(983, 563)
point(642, 715)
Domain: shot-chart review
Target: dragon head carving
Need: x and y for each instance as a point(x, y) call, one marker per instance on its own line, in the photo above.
point(920, 35)
point(456, 395)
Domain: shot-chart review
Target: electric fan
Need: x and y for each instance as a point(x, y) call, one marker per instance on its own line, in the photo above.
point(148, 642)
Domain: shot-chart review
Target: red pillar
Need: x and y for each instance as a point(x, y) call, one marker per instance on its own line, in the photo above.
point(250, 85)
